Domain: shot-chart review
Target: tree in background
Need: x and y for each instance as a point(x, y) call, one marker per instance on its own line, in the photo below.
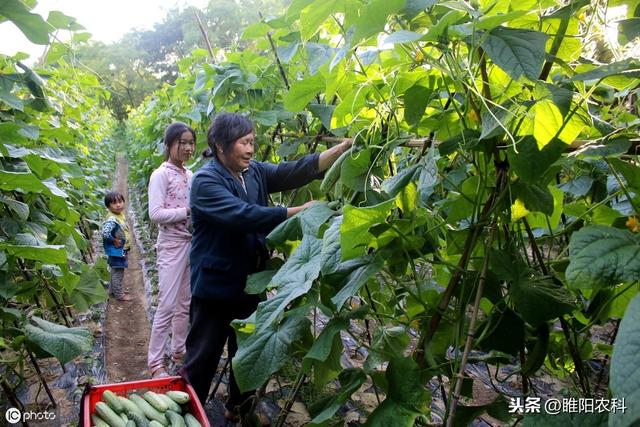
point(142, 61)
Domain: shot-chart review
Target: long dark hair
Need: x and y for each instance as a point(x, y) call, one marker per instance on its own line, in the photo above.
point(172, 133)
point(225, 130)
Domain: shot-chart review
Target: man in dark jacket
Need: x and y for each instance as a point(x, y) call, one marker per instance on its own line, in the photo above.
point(231, 218)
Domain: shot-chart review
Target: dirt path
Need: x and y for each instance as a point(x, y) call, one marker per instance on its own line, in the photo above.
point(127, 326)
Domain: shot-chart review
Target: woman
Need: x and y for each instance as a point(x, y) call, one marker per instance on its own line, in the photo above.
point(231, 218)
point(169, 188)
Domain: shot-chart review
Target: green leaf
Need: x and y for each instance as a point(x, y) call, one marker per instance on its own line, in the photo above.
point(264, 352)
point(416, 99)
point(407, 397)
point(578, 187)
point(531, 162)
point(63, 343)
point(61, 21)
point(516, 51)
point(21, 181)
point(627, 68)
point(48, 254)
point(603, 256)
point(393, 185)
point(625, 372)
point(6, 85)
point(323, 112)
point(318, 54)
point(293, 280)
point(354, 170)
point(258, 282)
point(630, 172)
point(325, 408)
point(402, 36)
point(302, 92)
point(539, 299)
point(314, 15)
point(31, 24)
point(373, 17)
point(535, 197)
point(88, 291)
point(628, 29)
point(356, 280)
point(355, 237)
point(19, 208)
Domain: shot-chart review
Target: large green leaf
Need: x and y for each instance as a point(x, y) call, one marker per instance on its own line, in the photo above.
point(354, 170)
point(402, 36)
point(416, 99)
point(31, 24)
point(264, 352)
point(603, 256)
point(324, 409)
point(313, 15)
point(303, 91)
point(356, 280)
point(88, 291)
point(530, 162)
point(627, 67)
point(539, 299)
point(624, 378)
point(48, 254)
point(407, 397)
point(373, 17)
point(355, 237)
point(516, 51)
point(61, 342)
point(21, 181)
point(294, 279)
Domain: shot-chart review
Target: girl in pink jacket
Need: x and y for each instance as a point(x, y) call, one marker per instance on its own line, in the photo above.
point(169, 188)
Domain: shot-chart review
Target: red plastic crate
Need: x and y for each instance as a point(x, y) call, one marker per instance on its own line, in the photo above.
point(93, 395)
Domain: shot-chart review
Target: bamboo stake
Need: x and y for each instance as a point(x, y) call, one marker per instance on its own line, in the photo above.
point(204, 34)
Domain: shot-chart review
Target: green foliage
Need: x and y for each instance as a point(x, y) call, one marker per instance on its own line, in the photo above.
point(465, 118)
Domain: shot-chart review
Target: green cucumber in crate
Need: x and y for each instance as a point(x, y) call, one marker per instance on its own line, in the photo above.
point(139, 418)
point(113, 400)
point(129, 406)
point(98, 422)
point(130, 423)
point(179, 397)
point(107, 414)
point(191, 421)
point(175, 419)
point(170, 403)
point(155, 401)
point(149, 411)
point(154, 423)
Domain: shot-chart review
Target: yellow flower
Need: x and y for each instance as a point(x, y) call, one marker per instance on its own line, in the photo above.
point(518, 210)
point(633, 224)
point(419, 56)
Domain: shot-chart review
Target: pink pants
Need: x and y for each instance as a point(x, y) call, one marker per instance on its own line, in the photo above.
point(173, 301)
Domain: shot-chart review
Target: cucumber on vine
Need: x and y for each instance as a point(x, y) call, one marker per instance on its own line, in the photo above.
point(333, 174)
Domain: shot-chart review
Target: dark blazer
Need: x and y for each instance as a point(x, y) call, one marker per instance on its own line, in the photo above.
point(230, 225)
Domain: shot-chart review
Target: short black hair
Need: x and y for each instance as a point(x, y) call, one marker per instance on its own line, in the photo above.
point(113, 197)
point(225, 130)
point(172, 133)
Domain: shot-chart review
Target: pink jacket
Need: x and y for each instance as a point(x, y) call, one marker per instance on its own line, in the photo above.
point(169, 188)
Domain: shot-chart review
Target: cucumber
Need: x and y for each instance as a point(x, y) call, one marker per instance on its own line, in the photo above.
point(155, 401)
point(175, 419)
point(111, 399)
point(154, 423)
point(179, 397)
point(106, 413)
point(149, 411)
point(170, 403)
point(332, 175)
point(191, 421)
point(129, 406)
point(130, 423)
point(124, 417)
point(535, 359)
point(139, 418)
point(98, 422)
